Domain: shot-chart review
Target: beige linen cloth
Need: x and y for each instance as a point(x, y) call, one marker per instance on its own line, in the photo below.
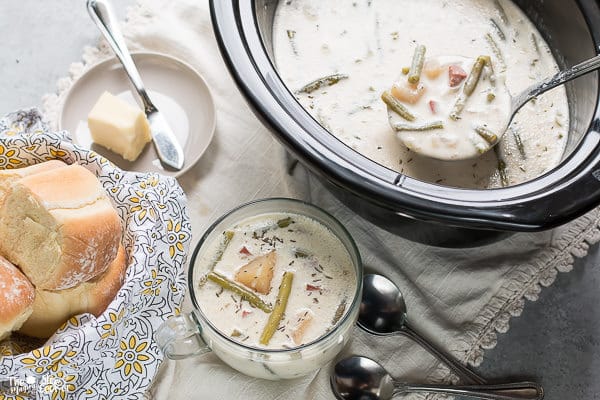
point(460, 298)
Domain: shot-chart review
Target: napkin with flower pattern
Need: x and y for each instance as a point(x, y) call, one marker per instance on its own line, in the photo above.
point(113, 355)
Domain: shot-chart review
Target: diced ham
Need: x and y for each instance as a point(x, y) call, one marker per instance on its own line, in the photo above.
point(433, 106)
point(456, 75)
point(244, 250)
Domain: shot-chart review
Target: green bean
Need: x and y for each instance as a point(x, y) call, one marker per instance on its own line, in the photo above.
point(518, 141)
point(487, 135)
point(501, 168)
point(285, 222)
point(291, 34)
point(280, 305)
point(339, 312)
point(396, 106)
point(426, 127)
point(491, 95)
point(496, 51)
point(414, 75)
point(241, 291)
point(298, 253)
point(534, 40)
point(498, 30)
point(501, 12)
point(475, 75)
point(324, 81)
point(502, 171)
point(459, 105)
point(227, 236)
point(469, 86)
point(490, 67)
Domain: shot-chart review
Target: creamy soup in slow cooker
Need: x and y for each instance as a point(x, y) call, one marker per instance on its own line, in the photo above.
point(338, 57)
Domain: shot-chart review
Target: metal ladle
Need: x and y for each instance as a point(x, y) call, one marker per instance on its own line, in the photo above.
point(360, 378)
point(383, 313)
point(516, 103)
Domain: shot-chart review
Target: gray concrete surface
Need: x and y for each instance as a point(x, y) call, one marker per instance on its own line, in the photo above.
point(557, 339)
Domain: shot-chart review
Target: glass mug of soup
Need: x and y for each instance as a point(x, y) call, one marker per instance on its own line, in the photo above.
point(275, 285)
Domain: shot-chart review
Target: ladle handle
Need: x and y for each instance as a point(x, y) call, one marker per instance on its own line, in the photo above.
point(464, 373)
point(502, 391)
point(558, 79)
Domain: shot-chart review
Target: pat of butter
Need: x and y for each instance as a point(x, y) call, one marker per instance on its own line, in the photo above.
point(119, 126)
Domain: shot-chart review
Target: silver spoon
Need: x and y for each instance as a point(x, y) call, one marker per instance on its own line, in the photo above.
point(383, 313)
point(360, 378)
point(168, 149)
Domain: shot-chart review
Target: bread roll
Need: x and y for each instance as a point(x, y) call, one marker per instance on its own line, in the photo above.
point(8, 176)
point(52, 308)
point(59, 227)
point(16, 298)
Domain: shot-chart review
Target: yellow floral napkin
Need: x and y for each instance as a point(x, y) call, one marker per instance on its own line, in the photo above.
point(113, 355)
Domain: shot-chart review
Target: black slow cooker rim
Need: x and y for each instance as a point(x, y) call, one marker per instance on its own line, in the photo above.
point(516, 208)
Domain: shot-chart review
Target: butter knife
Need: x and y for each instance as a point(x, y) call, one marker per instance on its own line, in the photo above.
point(168, 149)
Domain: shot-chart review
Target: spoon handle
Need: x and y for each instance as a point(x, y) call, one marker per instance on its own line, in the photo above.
point(456, 366)
point(558, 79)
point(103, 15)
point(502, 391)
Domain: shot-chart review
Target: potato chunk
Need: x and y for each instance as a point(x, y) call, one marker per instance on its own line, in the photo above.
point(304, 318)
point(407, 92)
point(258, 273)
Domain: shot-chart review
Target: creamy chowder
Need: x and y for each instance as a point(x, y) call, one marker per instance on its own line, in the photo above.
point(339, 57)
point(276, 281)
point(449, 114)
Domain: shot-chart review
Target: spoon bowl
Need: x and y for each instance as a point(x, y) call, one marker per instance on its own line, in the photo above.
point(383, 312)
point(457, 133)
point(360, 378)
point(382, 309)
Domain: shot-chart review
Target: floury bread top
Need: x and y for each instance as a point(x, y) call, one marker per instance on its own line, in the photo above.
point(59, 227)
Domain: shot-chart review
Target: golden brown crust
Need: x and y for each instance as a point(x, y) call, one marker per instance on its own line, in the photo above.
point(69, 187)
point(8, 176)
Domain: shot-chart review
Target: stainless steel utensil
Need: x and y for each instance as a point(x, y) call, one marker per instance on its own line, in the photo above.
point(360, 378)
point(168, 149)
point(519, 100)
point(560, 78)
point(383, 313)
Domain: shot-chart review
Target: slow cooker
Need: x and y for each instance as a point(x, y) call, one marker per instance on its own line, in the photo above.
point(421, 211)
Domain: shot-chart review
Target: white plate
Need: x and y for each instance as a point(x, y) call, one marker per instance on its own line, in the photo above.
point(179, 92)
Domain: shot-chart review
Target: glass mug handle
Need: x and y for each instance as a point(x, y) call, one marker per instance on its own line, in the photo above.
point(179, 337)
